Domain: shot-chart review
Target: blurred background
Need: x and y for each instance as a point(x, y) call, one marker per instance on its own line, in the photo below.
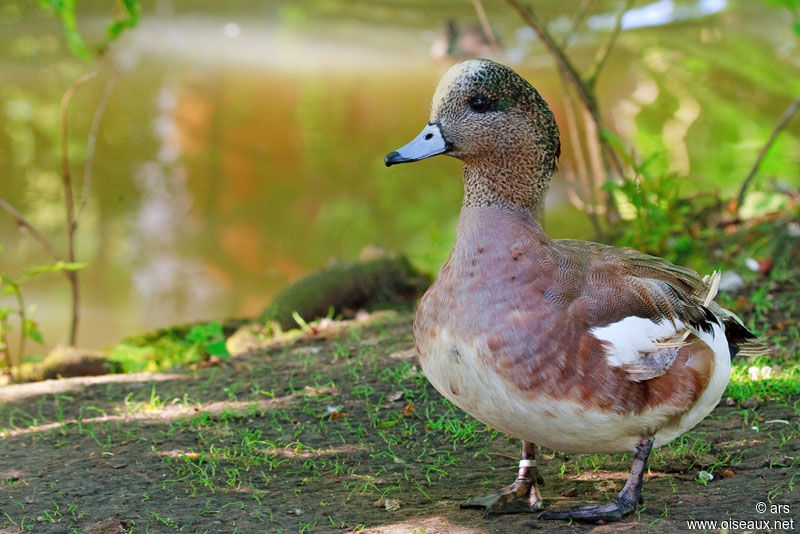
point(241, 145)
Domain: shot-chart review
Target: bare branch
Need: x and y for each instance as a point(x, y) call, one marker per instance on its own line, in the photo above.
point(66, 179)
point(69, 201)
point(22, 222)
point(561, 59)
point(782, 122)
point(584, 92)
point(603, 53)
point(577, 20)
point(487, 28)
point(91, 142)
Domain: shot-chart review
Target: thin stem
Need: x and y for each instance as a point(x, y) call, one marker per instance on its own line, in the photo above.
point(561, 59)
point(69, 201)
point(5, 351)
point(91, 142)
point(603, 53)
point(782, 122)
point(22, 334)
point(583, 91)
point(577, 20)
point(487, 28)
point(22, 222)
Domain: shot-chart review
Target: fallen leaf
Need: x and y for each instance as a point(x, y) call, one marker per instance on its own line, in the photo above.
point(571, 492)
point(392, 505)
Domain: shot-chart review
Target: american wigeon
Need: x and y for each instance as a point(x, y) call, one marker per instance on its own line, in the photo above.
point(576, 346)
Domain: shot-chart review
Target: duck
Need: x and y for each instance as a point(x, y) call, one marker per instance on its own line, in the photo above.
point(572, 345)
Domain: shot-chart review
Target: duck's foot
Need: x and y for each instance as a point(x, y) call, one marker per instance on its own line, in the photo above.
point(520, 496)
point(626, 501)
point(593, 514)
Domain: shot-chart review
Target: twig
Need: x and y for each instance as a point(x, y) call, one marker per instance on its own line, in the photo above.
point(91, 142)
point(577, 20)
point(561, 59)
point(584, 92)
point(603, 53)
point(69, 201)
point(782, 122)
point(22, 222)
point(487, 28)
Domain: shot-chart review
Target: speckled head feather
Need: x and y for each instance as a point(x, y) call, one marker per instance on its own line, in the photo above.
point(502, 129)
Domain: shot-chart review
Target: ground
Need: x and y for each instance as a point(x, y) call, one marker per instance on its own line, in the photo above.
point(338, 431)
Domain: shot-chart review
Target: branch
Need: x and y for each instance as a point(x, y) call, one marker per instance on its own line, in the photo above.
point(66, 180)
point(603, 53)
point(580, 15)
point(782, 122)
point(22, 222)
point(487, 28)
point(91, 142)
point(584, 93)
point(69, 202)
point(561, 59)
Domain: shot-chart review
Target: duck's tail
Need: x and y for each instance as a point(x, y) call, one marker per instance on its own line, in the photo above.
point(741, 341)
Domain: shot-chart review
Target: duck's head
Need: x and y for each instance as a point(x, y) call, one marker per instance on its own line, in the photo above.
point(488, 116)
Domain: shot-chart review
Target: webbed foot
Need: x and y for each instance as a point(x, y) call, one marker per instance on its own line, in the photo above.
point(626, 501)
point(520, 496)
point(517, 498)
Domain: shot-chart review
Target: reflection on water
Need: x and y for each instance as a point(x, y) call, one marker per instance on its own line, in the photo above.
point(239, 152)
point(168, 283)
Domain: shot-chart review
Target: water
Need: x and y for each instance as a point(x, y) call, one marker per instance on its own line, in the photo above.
point(238, 153)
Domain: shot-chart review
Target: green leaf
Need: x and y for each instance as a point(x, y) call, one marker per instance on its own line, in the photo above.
point(65, 10)
point(197, 333)
point(32, 331)
point(219, 349)
point(10, 287)
point(205, 332)
point(132, 9)
point(796, 26)
point(55, 267)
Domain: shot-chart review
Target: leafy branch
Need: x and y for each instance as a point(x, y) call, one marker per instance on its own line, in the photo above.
point(126, 16)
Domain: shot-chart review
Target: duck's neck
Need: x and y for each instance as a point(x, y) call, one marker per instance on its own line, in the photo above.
point(514, 181)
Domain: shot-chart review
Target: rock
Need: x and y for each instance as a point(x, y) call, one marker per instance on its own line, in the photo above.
point(68, 362)
point(751, 403)
point(371, 284)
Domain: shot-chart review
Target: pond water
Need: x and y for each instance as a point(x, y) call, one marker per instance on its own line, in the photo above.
point(242, 147)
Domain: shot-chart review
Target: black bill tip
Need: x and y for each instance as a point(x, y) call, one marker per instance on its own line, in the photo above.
point(394, 157)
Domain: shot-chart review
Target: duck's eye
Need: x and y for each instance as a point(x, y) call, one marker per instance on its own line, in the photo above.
point(480, 104)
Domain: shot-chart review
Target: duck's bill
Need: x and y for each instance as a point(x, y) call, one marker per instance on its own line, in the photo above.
point(429, 142)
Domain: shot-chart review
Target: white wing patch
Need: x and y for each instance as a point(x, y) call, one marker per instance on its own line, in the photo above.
point(628, 339)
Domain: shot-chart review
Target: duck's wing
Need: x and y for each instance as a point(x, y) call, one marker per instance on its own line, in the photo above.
point(644, 309)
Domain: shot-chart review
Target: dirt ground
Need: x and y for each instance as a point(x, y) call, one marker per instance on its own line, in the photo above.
point(340, 432)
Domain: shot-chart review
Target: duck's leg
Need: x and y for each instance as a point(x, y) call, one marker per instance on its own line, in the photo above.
point(519, 497)
point(626, 501)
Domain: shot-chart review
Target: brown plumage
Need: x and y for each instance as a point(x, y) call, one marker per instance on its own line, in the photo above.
point(573, 345)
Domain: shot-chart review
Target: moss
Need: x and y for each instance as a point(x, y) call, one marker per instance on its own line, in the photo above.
point(67, 362)
point(347, 287)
